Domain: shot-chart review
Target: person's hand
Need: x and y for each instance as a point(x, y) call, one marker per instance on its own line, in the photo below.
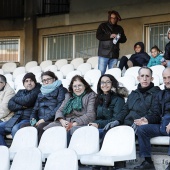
point(111, 125)
point(141, 121)
point(112, 35)
point(40, 121)
point(64, 123)
point(94, 124)
point(168, 128)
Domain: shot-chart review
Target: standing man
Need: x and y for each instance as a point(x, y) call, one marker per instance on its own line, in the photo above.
point(22, 105)
point(154, 125)
point(6, 93)
point(109, 35)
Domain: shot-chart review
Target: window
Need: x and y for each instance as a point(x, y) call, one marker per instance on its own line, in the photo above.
point(69, 46)
point(156, 34)
point(9, 49)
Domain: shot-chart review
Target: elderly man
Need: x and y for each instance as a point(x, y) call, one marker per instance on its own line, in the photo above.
point(154, 125)
point(22, 105)
point(6, 93)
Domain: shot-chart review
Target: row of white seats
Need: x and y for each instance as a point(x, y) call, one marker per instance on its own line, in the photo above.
point(118, 145)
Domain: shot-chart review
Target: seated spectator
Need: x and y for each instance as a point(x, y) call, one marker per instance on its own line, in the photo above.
point(167, 51)
point(21, 104)
point(78, 107)
point(47, 103)
point(157, 124)
point(140, 58)
point(109, 101)
point(6, 93)
point(156, 57)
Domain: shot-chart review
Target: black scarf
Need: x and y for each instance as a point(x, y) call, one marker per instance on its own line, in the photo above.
point(143, 90)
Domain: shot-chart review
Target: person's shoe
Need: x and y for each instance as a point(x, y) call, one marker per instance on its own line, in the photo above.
point(168, 168)
point(145, 165)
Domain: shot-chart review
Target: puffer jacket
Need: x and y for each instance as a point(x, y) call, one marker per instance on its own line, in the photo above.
point(23, 102)
point(161, 107)
point(141, 58)
point(47, 105)
point(108, 114)
point(106, 47)
point(136, 107)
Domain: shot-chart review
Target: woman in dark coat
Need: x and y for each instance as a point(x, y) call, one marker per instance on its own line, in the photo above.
point(48, 101)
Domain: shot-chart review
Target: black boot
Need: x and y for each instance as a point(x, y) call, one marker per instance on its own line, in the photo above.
point(145, 165)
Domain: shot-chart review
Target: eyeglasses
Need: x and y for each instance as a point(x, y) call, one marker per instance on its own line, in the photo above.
point(78, 86)
point(102, 83)
point(46, 80)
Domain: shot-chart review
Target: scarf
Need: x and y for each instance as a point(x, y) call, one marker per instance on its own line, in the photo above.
point(143, 90)
point(74, 103)
point(46, 89)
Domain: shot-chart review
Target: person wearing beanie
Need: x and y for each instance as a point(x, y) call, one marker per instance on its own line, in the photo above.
point(110, 35)
point(22, 105)
point(47, 103)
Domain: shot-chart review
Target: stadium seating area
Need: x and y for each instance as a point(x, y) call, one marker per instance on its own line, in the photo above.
point(65, 71)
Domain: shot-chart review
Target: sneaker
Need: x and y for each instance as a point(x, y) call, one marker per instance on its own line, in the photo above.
point(145, 165)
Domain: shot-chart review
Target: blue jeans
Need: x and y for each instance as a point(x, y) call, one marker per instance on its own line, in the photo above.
point(14, 130)
point(103, 62)
point(145, 133)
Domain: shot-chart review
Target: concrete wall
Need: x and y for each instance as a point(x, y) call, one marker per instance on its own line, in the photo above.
point(87, 15)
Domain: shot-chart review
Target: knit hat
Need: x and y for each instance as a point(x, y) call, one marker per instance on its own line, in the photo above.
point(31, 76)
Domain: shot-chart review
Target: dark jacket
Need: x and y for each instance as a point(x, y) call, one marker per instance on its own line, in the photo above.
point(106, 47)
point(161, 107)
point(108, 114)
point(167, 52)
point(47, 105)
point(23, 102)
point(138, 106)
point(141, 58)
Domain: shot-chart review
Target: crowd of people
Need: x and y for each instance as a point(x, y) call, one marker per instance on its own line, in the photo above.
point(146, 110)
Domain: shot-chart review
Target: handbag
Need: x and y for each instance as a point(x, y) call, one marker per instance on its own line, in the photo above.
point(11, 122)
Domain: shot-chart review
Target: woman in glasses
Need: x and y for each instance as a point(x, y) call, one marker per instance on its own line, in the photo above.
point(48, 101)
point(78, 107)
point(109, 101)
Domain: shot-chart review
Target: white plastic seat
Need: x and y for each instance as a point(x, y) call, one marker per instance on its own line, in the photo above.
point(116, 72)
point(1, 71)
point(29, 65)
point(60, 63)
point(18, 71)
point(128, 82)
point(11, 83)
point(133, 71)
point(59, 74)
point(52, 68)
point(66, 69)
point(9, 67)
point(19, 87)
point(38, 76)
point(72, 74)
point(160, 140)
point(76, 62)
point(18, 80)
point(45, 64)
point(162, 86)
point(93, 61)
point(158, 69)
point(65, 83)
point(4, 158)
point(156, 80)
point(93, 75)
point(64, 159)
point(27, 159)
point(8, 77)
point(84, 67)
point(35, 69)
point(118, 145)
point(24, 138)
point(53, 139)
point(85, 140)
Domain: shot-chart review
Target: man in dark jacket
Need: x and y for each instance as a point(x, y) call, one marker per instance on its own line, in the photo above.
point(157, 124)
point(22, 105)
point(109, 35)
